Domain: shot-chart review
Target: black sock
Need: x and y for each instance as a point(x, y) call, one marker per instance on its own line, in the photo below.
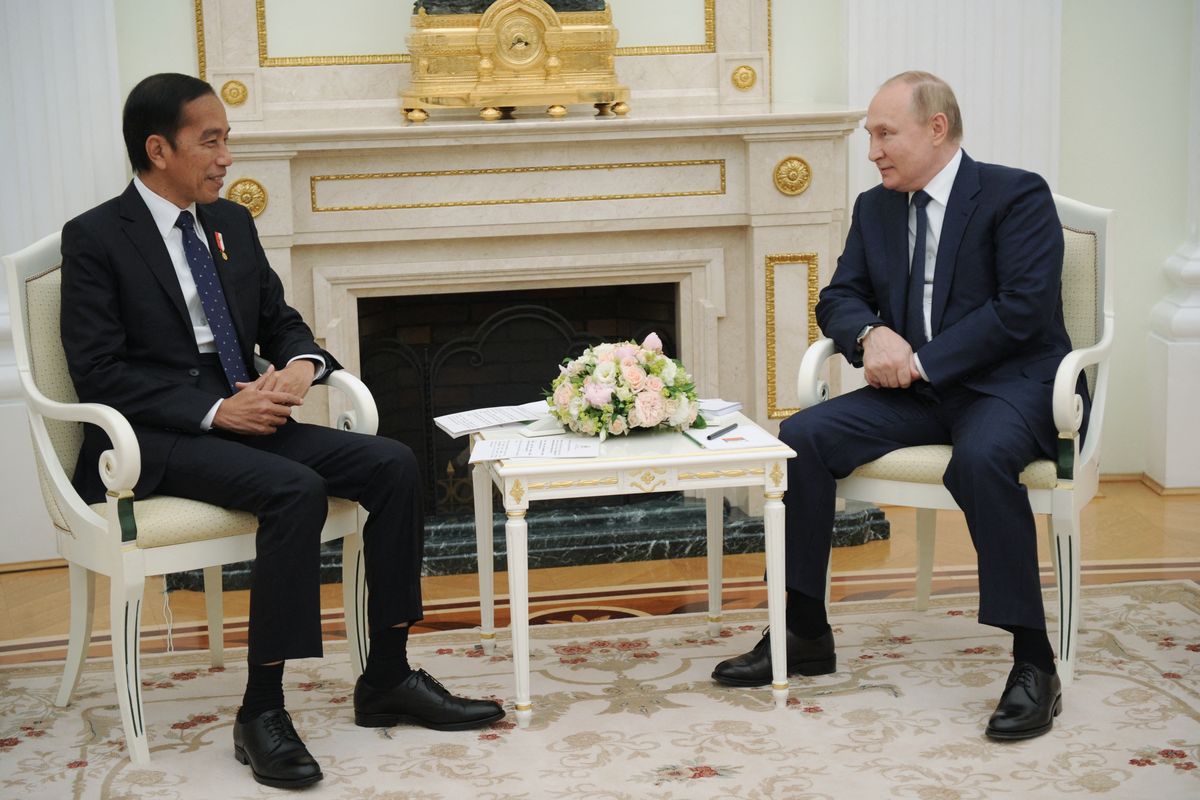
point(806, 616)
point(387, 660)
point(1032, 645)
point(264, 691)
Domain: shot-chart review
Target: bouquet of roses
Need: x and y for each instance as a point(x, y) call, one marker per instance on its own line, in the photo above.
point(615, 387)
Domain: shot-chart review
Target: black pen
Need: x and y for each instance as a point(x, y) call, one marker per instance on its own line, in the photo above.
point(722, 432)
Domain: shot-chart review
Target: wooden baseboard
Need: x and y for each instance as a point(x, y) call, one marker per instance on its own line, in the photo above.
point(30, 566)
point(1164, 491)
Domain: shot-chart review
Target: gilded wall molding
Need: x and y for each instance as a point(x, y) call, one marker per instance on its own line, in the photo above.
point(265, 60)
point(201, 55)
point(809, 260)
point(315, 180)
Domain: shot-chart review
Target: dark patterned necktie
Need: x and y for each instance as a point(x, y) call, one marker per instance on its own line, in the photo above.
point(914, 318)
point(212, 297)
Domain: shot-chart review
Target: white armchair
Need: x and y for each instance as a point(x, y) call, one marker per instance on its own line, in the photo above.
point(912, 476)
point(128, 540)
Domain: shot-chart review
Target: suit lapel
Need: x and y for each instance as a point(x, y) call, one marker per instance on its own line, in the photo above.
point(958, 213)
point(139, 226)
point(895, 220)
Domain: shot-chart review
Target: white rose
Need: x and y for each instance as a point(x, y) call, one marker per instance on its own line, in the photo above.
point(681, 413)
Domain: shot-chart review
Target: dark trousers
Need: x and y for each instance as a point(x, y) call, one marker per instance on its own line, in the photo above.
point(992, 444)
point(285, 480)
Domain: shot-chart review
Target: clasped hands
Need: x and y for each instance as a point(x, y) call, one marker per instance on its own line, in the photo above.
point(262, 405)
point(888, 360)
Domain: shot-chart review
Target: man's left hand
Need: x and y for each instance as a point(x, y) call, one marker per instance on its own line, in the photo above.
point(295, 378)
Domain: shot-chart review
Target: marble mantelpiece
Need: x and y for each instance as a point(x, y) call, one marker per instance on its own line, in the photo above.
point(684, 195)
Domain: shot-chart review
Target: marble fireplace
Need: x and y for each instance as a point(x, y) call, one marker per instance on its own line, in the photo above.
point(737, 206)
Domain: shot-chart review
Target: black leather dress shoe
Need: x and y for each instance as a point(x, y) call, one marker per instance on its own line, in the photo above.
point(270, 745)
point(804, 657)
point(1031, 701)
point(421, 700)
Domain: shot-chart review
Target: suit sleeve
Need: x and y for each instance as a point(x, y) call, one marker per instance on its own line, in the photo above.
point(94, 340)
point(1028, 273)
point(282, 332)
point(848, 303)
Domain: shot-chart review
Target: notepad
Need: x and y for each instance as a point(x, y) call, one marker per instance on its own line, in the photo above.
point(478, 419)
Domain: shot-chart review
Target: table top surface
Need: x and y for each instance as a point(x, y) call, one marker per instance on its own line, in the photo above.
point(639, 449)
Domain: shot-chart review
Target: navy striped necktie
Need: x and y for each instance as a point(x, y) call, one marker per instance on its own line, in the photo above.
point(212, 298)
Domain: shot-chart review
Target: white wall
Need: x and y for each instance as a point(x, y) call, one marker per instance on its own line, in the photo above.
point(1125, 116)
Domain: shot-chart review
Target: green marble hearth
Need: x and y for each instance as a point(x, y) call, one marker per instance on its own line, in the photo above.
point(666, 527)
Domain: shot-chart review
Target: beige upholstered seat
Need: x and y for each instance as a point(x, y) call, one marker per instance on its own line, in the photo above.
point(169, 534)
point(912, 476)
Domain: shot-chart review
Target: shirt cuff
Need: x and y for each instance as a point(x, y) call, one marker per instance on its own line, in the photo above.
point(206, 423)
point(321, 369)
point(920, 369)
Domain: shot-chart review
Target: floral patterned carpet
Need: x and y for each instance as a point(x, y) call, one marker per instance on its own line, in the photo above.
point(625, 709)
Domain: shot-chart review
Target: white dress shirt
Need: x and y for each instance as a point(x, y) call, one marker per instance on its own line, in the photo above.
point(938, 190)
point(165, 213)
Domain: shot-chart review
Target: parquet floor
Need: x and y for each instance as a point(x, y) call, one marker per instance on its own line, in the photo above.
point(1130, 533)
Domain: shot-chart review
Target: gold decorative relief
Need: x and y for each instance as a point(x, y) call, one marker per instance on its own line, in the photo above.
point(588, 482)
point(648, 480)
point(710, 475)
point(776, 474)
point(718, 184)
point(814, 332)
point(744, 78)
point(249, 193)
point(314, 61)
point(792, 175)
point(517, 492)
point(234, 93)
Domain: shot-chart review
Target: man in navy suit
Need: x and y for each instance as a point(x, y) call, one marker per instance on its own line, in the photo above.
point(948, 294)
point(166, 292)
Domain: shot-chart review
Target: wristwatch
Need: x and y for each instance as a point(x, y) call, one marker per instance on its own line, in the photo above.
point(863, 333)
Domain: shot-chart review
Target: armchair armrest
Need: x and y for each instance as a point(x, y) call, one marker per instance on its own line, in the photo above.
point(120, 466)
point(1068, 406)
point(810, 389)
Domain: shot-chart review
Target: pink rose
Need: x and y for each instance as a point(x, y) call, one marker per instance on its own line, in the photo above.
point(596, 394)
point(652, 343)
point(624, 351)
point(653, 384)
point(562, 395)
point(618, 426)
point(634, 376)
point(630, 360)
point(650, 409)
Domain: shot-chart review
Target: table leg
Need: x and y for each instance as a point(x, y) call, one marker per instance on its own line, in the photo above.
point(482, 484)
point(516, 531)
point(714, 501)
point(773, 529)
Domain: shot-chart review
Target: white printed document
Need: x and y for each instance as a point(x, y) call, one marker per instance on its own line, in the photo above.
point(715, 407)
point(480, 418)
point(546, 447)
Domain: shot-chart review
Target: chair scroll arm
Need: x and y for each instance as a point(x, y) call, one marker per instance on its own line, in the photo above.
point(810, 389)
point(120, 466)
point(1067, 405)
point(363, 415)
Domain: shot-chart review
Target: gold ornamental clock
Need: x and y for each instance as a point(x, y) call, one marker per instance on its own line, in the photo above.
point(515, 53)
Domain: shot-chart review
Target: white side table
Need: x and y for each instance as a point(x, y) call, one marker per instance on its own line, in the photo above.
point(640, 463)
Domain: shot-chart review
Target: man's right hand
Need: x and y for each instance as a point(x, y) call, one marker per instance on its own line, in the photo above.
point(254, 410)
point(888, 359)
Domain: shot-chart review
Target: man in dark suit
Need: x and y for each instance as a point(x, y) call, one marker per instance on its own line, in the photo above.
point(948, 294)
point(166, 291)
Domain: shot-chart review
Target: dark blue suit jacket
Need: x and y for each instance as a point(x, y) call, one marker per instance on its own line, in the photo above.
point(127, 335)
point(997, 321)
